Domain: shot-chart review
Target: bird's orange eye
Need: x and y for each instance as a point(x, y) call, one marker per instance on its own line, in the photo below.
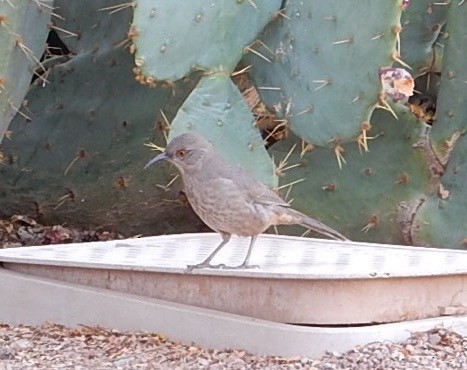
point(181, 153)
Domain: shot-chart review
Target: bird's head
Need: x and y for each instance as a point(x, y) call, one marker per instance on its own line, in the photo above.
point(185, 151)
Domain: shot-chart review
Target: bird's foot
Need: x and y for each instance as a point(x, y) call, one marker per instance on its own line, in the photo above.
point(243, 266)
point(203, 265)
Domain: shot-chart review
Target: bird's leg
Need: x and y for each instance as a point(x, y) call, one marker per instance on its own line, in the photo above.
point(245, 264)
point(206, 262)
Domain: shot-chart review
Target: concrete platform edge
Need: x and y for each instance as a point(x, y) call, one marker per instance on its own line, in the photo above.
point(32, 301)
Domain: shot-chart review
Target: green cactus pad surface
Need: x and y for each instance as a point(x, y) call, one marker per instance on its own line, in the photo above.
point(81, 158)
point(451, 109)
point(91, 26)
point(422, 23)
point(362, 200)
point(217, 110)
point(441, 221)
point(173, 38)
point(324, 61)
point(23, 32)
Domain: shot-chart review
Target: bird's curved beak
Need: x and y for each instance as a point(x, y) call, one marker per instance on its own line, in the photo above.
point(161, 157)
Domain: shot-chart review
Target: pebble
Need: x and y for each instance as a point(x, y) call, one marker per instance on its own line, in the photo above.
point(53, 346)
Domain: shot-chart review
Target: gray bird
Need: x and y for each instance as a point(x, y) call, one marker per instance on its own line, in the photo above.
point(227, 198)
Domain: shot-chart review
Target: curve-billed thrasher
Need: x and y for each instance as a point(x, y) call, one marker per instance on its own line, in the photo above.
point(227, 198)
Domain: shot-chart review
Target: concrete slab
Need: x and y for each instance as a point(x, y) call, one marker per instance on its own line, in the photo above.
point(32, 301)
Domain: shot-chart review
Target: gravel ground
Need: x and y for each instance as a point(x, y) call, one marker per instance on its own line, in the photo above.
point(53, 346)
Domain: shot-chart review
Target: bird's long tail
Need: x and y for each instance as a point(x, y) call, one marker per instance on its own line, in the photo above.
point(315, 225)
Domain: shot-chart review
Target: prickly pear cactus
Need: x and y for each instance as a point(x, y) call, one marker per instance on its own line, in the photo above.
point(422, 23)
point(216, 110)
point(81, 158)
point(362, 199)
point(23, 32)
point(170, 42)
point(441, 219)
point(320, 65)
point(172, 39)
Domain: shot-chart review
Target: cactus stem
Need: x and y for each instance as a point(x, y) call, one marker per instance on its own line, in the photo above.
point(338, 151)
point(257, 53)
point(119, 7)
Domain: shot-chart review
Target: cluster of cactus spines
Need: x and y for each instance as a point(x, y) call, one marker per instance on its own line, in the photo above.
point(323, 74)
point(81, 159)
point(440, 220)
point(191, 36)
point(361, 199)
point(421, 37)
point(217, 110)
point(23, 32)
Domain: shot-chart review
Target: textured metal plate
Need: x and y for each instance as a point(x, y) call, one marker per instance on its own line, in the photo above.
point(278, 257)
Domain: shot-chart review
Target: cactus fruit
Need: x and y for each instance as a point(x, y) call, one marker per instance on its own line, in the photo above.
point(23, 32)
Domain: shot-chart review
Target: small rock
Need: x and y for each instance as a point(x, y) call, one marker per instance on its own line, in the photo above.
point(21, 344)
point(434, 339)
point(6, 353)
